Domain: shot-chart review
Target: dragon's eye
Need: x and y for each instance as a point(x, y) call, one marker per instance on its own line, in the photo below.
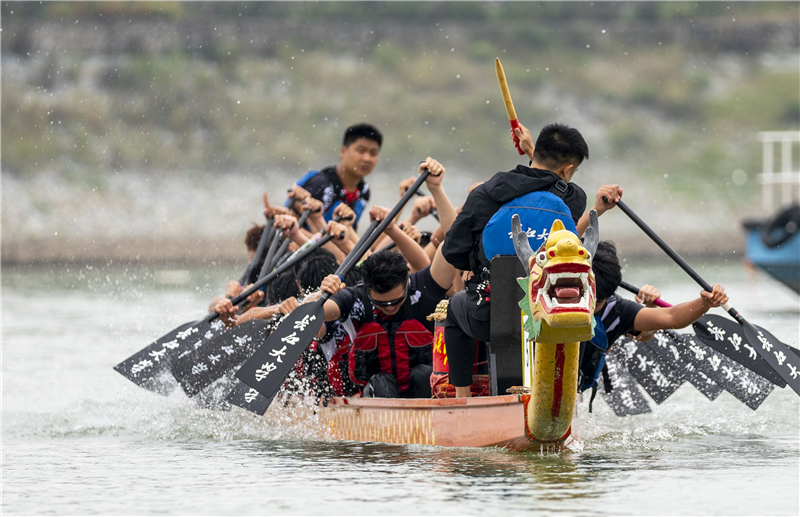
point(541, 259)
point(588, 257)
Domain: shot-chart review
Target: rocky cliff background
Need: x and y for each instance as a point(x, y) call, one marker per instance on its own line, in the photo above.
point(148, 130)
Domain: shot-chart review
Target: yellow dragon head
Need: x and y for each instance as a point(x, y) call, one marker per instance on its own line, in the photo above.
point(560, 287)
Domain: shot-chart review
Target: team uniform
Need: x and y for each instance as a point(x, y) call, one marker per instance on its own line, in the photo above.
point(389, 356)
point(326, 186)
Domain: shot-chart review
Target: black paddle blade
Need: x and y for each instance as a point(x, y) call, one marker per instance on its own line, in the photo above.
point(727, 336)
point(744, 384)
point(200, 366)
point(148, 365)
point(779, 356)
point(268, 367)
point(658, 378)
point(248, 399)
point(667, 348)
point(625, 398)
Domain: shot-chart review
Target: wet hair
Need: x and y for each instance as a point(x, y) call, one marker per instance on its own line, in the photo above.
point(559, 144)
point(384, 271)
point(314, 268)
point(363, 130)
point(253, 236)
point(607, 271)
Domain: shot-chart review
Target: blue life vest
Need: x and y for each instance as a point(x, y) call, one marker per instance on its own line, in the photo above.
point(537, 211)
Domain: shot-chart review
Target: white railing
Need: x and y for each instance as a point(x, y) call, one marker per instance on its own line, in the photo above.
point(787, 181)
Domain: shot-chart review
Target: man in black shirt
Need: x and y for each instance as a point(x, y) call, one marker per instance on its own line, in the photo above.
point(389, 335)
point(344, 183)
point(555, 158)
point(617, 316)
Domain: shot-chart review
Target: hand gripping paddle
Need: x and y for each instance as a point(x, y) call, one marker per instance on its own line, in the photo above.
point(266, 370)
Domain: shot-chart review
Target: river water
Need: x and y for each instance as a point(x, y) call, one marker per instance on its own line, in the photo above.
point(77, 438)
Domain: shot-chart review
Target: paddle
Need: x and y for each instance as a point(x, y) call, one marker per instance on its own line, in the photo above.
point(712, 329)
point(659, 378)
point(267, 368)
point(145, 366)
point(258, 256)
point(510, 111)
point(208, 360)
point(625, 398)
point(742, 382)
point(666, 347)
point(275, 254)
point(775, 353)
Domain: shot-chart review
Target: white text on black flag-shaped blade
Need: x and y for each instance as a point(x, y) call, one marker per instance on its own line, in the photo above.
point(269, 366)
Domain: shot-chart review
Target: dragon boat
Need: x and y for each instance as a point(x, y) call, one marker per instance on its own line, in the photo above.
point(542, 308)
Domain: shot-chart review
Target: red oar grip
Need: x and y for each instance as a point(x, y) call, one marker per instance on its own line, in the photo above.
point(514, 125)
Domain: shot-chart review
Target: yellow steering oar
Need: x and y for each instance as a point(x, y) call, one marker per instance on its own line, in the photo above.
point(512, 114)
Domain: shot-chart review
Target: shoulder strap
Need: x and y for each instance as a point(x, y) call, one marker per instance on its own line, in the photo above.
point(559, 188)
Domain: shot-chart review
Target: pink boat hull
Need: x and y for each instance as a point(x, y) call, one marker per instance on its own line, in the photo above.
point(456, 422)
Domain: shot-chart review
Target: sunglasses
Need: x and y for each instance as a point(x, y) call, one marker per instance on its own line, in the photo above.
point(389, 303)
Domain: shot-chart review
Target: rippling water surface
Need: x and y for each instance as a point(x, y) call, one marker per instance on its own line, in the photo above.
point(80, 439)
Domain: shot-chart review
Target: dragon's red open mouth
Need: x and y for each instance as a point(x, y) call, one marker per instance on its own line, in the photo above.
point(565, 287)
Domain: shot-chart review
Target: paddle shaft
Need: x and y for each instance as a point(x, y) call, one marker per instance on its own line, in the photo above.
point(266, 236)
point(268, 278)
point(369, 238)
point(673, 255)
point(635, 290)
point(390, 246)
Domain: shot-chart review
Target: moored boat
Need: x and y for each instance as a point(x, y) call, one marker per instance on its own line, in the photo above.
point(773, 242)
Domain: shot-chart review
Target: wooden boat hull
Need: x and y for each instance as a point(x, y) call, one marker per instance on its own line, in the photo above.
point(456, 422)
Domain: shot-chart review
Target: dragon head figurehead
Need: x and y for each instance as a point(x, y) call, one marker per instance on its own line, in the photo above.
point(560, 286)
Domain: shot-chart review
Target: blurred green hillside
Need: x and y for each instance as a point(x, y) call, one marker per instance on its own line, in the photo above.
point(669, 94)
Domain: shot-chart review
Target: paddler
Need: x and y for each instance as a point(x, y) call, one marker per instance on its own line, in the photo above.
point(554, 160)
point(389, 338)
point(616, 317)
point(345, 182)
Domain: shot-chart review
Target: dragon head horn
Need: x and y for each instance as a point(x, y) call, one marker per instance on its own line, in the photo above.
point(521, 244)
point(591, 237)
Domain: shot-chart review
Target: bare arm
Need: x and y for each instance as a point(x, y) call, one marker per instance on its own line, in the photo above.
point(447, 213)
point(413, 252)
point(436, 239)
point(441, 270)
point(680, 315)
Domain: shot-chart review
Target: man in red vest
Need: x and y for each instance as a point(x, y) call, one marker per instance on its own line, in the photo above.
point(389, 338)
